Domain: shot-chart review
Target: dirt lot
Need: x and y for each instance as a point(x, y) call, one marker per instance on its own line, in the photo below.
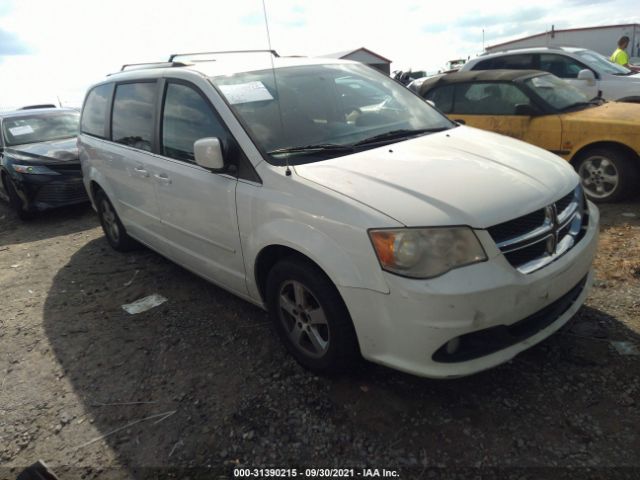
point(201, 383)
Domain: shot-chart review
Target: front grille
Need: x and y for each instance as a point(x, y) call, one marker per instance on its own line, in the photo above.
point(565, 201)
point(538, 238)
point(62, 193)
point(493, 339)
point(70, 168)
point(517, 227)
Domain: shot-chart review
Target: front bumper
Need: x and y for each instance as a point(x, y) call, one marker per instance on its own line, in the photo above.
point(408, 329)
point(42, 192)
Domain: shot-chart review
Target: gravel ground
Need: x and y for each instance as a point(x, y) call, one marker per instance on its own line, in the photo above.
point(200, 384)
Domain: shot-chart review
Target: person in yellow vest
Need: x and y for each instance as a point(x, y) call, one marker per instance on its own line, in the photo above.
point(620, 55)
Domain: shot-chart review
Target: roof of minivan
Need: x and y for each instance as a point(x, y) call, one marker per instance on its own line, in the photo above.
point(35, 111)
point(231, 64)
point(477, 75)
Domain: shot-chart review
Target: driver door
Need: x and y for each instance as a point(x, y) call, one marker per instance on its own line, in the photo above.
point(567, 69)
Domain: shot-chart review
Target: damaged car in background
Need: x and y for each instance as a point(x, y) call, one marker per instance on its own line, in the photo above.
point(39, 166)
point(600, 139)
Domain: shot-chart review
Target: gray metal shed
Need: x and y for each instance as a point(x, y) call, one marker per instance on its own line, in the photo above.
point(366, 56)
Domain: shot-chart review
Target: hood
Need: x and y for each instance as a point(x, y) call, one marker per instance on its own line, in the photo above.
point(634, 77)
point(610, 113)
point(463, 176)
point(65, 150)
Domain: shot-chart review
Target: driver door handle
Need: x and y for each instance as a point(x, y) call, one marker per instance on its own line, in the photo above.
point(141, 171)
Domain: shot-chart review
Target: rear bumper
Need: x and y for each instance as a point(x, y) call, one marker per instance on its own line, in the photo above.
point(491, 310)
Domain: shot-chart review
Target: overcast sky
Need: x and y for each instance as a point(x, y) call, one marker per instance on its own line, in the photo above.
point(52, 48)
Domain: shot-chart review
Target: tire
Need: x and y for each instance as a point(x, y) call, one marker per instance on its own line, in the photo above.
point(607, 174)
point(15, 202)
point(328, 347)
point(112, 226)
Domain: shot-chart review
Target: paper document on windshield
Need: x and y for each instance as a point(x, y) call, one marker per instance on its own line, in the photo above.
point(246, 92)
point(22, 130)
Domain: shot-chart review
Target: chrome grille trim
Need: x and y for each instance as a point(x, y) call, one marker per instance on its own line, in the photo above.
point(560, 231)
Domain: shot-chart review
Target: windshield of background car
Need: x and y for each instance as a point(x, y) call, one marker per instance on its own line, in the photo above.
point(40, 128)
point(557, 93)
point(601, 63)
point(331, 104)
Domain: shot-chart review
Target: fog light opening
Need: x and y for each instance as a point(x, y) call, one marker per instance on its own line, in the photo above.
point(453, 345)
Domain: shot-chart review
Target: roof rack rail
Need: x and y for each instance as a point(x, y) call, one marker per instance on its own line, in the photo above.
point(140, 66)
point(225, 52)
point(550, 47)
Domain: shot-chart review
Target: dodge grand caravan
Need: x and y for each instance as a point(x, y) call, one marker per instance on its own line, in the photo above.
point(361, 218)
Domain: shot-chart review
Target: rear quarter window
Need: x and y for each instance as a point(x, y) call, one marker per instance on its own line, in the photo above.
point(94, 113)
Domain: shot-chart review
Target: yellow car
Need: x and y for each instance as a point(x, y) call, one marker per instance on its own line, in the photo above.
point(600, 139)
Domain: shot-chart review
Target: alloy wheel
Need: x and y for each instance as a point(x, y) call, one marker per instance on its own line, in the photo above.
point(304, 319)
point(599, 176)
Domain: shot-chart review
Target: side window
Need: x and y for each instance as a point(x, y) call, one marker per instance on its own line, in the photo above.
point(560, 65)
point(488, 99)
point(511, 62)
point(187, 117)
point(132, 117)
point(95, 111)
point(484, 65)
point(442, 97)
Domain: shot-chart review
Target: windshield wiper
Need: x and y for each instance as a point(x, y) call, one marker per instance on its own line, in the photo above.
point(321, 147)
point(395, 134)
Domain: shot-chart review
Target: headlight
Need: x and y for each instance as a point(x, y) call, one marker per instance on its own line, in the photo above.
point(34, 169)
point(426, 252)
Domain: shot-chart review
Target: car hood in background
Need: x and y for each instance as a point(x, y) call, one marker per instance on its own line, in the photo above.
point(461, 176)
point(65, 150)
point(612, 113)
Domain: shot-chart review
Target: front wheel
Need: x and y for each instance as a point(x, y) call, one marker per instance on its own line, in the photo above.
point(607, 174)
point(310, 317)
point(15, 201)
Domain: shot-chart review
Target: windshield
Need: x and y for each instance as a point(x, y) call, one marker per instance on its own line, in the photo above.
point(329, 107)
point(557, 93)
point(40, 128)
point(601, 63)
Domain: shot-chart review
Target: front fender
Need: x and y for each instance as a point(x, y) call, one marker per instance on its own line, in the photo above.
point(347, 265)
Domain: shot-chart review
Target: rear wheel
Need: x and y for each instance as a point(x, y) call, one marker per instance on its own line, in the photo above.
point(310, 316)
point(607, 174)
point(112, 226)
point(15, 201)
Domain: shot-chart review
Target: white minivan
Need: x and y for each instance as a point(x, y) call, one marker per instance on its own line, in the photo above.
point(359, 216)
point(590, 72)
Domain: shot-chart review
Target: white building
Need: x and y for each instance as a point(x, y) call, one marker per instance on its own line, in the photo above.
point(602, 39)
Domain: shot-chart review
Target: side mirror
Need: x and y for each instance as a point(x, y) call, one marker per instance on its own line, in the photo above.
point(587, 75)
point(526, 109)
point(208, 153)
point(460, 121)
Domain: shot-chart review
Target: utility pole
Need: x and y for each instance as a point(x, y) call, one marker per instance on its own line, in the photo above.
point(483, 39)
